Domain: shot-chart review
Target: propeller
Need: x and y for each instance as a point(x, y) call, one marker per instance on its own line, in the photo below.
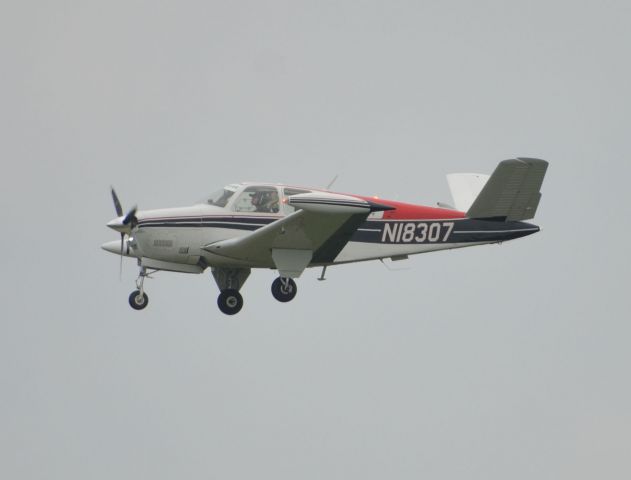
point(117, 203)
point(129, 219)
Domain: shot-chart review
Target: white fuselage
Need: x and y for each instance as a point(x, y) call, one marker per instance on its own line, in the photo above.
point(178, 235)
point(174, 238)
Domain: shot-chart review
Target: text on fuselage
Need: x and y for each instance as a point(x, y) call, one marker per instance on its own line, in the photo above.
point(416, 232)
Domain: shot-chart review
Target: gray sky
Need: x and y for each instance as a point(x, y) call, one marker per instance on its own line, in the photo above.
point(488, 363)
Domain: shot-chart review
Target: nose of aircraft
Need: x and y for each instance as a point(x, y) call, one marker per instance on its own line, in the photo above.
point(113, 247)
point(117, 224)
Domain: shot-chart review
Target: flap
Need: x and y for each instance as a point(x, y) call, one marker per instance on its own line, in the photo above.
point(291, 262)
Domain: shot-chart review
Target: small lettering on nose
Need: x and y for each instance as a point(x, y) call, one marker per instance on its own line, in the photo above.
point(162, 243)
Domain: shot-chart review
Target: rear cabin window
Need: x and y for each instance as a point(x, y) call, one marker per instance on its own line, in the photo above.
point(288, 192)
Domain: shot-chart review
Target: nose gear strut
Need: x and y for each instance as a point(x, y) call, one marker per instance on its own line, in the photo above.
point(138, 299)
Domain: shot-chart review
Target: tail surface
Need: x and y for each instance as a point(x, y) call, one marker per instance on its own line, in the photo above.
point(465, 187)
point(512, 192)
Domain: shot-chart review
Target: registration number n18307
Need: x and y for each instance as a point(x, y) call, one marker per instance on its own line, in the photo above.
point(416, 232)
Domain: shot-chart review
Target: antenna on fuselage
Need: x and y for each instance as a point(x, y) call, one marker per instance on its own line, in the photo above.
point(328, 187)
point(395, 259)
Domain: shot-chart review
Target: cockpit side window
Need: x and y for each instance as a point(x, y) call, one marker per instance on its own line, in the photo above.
point(258, 199)
point(220, 198)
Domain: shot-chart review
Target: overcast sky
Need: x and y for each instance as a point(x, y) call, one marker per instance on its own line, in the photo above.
point(492, 362)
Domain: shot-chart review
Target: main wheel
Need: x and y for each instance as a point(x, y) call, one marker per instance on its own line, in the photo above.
point(230, 301)
point(138, 301)
point(284, 289)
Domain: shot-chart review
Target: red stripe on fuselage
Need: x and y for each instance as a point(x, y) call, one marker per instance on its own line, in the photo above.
point(408, 211)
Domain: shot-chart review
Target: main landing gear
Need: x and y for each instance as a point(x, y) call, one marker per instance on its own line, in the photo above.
point(230, 281)
point(230, 301)
point(284, 289)
point(138, 299)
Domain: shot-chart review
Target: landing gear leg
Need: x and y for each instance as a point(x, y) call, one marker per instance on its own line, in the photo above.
point(230, 281)
point(138, 299)
point(284, 289)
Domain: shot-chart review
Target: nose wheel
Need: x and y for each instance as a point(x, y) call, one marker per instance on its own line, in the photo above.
point(230, 301)
point(284, 289)
point(138, 300)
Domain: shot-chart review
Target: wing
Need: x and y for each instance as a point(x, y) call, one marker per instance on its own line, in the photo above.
point(314, 234)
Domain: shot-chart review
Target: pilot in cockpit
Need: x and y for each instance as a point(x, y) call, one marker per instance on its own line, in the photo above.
point(265, 201)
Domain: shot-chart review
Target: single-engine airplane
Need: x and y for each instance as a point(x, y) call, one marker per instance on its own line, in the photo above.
point(286, 228)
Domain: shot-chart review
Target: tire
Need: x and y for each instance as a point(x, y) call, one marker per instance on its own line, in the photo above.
point(282, 293)
point(230, 301)
point(138, 302)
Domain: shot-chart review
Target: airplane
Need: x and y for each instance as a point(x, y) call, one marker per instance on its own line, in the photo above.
point(286, 228)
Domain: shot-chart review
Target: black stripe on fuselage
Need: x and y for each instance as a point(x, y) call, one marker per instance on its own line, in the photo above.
point(395, 232)
point(341, 203)
point(377, 231)
point(236, 223)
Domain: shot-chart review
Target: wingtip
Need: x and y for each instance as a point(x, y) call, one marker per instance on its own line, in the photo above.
point(379, 207)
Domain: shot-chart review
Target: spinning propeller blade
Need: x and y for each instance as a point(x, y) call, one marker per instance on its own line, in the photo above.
point(117, 203)
point(120, 267)
point(130, 218)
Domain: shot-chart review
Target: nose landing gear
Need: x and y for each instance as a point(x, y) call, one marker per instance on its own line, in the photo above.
point(284, 289)
point(138, 299)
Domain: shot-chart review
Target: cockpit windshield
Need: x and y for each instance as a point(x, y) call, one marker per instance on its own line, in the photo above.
point(221, 197)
